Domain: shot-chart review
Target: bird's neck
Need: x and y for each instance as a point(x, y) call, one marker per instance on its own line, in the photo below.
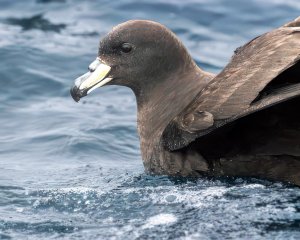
point(158, 105)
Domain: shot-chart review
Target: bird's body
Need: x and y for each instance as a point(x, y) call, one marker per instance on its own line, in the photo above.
point(243, 121)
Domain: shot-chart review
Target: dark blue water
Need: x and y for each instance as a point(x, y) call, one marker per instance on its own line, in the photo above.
point(74, 171)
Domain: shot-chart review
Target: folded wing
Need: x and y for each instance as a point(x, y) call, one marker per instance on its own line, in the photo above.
point(262, 73)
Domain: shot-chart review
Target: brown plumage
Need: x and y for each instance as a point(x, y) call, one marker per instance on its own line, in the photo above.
point(241, 122)
point(250, 82)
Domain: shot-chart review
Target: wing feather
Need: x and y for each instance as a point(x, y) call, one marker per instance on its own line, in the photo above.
point(232, 94)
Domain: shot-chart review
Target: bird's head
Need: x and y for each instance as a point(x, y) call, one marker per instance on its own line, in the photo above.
point(137, 54)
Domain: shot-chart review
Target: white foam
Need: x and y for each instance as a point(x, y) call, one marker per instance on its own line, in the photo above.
point(190, 197)
point(160, 219)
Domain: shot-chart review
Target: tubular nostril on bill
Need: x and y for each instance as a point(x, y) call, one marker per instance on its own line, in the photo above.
point(91, 69)
point(94, 65)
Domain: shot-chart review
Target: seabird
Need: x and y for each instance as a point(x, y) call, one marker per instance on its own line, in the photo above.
point(242, 122)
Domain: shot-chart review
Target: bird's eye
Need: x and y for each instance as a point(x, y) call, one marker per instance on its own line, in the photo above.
point(126, 47)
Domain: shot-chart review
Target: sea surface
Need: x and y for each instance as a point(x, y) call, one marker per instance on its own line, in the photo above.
point(74, 170)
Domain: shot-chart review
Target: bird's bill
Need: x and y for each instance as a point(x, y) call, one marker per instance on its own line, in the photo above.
point(96, 77)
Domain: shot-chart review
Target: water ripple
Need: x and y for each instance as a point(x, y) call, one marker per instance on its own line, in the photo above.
point(74, 171)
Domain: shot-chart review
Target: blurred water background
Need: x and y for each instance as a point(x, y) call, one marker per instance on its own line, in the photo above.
point(74, 171)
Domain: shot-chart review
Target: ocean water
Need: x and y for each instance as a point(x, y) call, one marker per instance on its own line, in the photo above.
point(74, 171)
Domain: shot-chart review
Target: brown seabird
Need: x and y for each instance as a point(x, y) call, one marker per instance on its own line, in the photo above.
point(243, 121)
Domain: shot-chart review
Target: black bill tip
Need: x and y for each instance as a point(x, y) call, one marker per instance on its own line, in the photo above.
point(76, 93)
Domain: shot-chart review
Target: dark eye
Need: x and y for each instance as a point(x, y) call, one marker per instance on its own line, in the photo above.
point(126, 47)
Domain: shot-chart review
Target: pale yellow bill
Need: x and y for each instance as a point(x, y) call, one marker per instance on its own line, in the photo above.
point(100, 84)
point(96, 78)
